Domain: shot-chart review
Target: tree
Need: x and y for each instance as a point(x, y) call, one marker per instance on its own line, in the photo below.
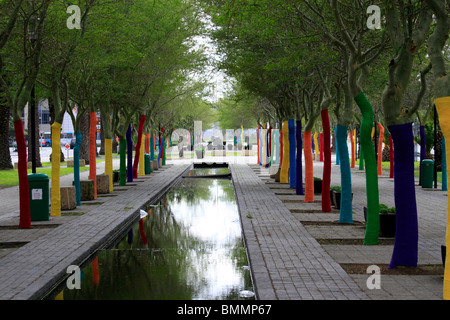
point(407, 36)
point(436, 45)
point(18, 85)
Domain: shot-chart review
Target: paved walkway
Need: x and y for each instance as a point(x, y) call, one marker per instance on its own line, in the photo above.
point(295, 250)
point(342, 242)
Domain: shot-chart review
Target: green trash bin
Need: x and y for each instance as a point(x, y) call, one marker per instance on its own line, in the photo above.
point(148, 168)
point(427, 173)
point(38, 184)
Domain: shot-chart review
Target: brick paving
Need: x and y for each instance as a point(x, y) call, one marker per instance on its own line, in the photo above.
point(431, 204)
point(287, 262)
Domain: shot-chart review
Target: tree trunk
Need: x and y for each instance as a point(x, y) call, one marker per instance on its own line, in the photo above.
point(129, 155)
point(93, 150)
point(406, 234)
point(138, 147)
point(326, 176)
point(84, 129)
point(25, 216)
point(102, 138)
point(380, 151)
point(55, 208)
point(284, 175)
point(422, 151)
point(51, 108)
point(373, 206)
point(36, 135)
point(257, 143)
point(5, 155)
point(123, 165)
point(346, 206)
point(299, 177)
point(292, 161)
point(309, 172)
point(76, 166)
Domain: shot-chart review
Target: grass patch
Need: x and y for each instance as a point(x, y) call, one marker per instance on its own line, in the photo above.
point(385, 165)
point(10, 178)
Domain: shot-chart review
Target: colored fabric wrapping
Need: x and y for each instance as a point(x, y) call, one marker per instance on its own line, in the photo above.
point(263, 148)
point(261, 142)
point(405, 251)
point(129, 155)
point(276, 142)
point(352, 143)
point(321, 147)
point(164, 153)
point(123, 165)
point(281, 145)
point(346, 205)
point(443, 109)
point(272, 147)
point(95, 272)
point(109, 162)
point(142, 157)
point(292, 161)
point(142, 232)
point(444, 166)
point(152, 148)
point(372, 193)
point(258, 143)
point(269, 147)
point(391, 158)
point(93, 150)
point(24, 197)
point(161, 154)
point(299, 169)
point(361, 159)
point(284, 174)
point(130, 236)
point(137, 154)
point(55, 208)
point(309, 171)
point(76, 166)
point(147, 143)
point(326, 175)
point(422, 151)
point(380, 149)
point(313, 145)
point(316, 146)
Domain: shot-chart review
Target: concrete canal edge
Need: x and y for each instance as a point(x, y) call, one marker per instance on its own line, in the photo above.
point(35, 270)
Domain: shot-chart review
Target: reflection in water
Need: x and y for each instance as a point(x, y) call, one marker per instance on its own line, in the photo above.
point(209, 171)
point(189, 247)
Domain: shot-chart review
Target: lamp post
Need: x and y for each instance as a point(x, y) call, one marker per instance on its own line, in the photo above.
point(32, 103)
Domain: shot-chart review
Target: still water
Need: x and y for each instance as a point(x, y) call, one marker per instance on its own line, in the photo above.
point(188, 247)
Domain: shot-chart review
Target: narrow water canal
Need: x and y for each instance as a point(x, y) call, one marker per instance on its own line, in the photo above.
point(188, 247)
